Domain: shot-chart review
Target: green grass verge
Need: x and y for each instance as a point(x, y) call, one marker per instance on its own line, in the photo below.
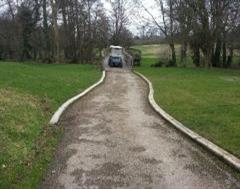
point(29, 95)
point(205, 100)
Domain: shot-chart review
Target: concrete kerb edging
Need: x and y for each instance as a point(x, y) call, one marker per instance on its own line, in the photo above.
point(226, 156)
point(55, 118)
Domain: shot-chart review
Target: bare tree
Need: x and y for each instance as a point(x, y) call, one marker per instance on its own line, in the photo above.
point(120, 13)
point(164, 22)
point(47, 44)
point(54, 7)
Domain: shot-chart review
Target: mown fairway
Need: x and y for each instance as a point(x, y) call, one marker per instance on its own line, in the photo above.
point(205, 100)
point(29, 95)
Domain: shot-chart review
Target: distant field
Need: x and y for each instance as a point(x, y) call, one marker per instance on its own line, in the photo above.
point(152, 53)
point(205, 100)
point(29, 95)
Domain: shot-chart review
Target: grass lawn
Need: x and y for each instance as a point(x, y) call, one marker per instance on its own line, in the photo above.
point(29, 95)
point(205, 100)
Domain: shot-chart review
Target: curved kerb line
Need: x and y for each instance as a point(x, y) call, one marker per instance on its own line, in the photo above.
point(223, 154)
point(55, 118)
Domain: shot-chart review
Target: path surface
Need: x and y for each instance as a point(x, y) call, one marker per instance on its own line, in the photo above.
point(113, 139)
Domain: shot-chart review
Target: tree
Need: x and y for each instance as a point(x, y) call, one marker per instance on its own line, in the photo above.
point(183, 15)
point(27, 19)
point(165, 23)
point(206, 26)
point(101, 30)
point(47, 43)
point(54, 7)
point(119, 19)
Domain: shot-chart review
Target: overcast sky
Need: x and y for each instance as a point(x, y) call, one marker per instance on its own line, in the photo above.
point(137, 17)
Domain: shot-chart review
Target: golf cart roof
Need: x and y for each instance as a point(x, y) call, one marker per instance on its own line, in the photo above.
point(115, 47)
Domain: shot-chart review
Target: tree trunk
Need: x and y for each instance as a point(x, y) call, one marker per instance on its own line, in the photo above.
point(217, 53)
point(207, 51)
point(207, 58)
point(64, 15)
point(173, 61)
point(196, 56)
point(224, 55)
point(47, 46)
point(230, 57)
point(55, 32)
point(184, 53)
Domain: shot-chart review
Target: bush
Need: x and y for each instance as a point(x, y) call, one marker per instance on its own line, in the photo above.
point(159, 64)
point(170, 64)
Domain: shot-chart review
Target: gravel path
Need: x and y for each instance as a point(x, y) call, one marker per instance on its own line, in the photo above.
point(113, 139)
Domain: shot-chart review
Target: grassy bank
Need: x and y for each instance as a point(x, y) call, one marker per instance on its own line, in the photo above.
point(29, 95)
point(205, 100)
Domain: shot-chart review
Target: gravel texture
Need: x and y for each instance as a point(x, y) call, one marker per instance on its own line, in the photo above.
point(113, 139)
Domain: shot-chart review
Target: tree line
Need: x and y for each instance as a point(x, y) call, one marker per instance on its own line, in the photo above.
point(57, 31)
point(211, 28)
